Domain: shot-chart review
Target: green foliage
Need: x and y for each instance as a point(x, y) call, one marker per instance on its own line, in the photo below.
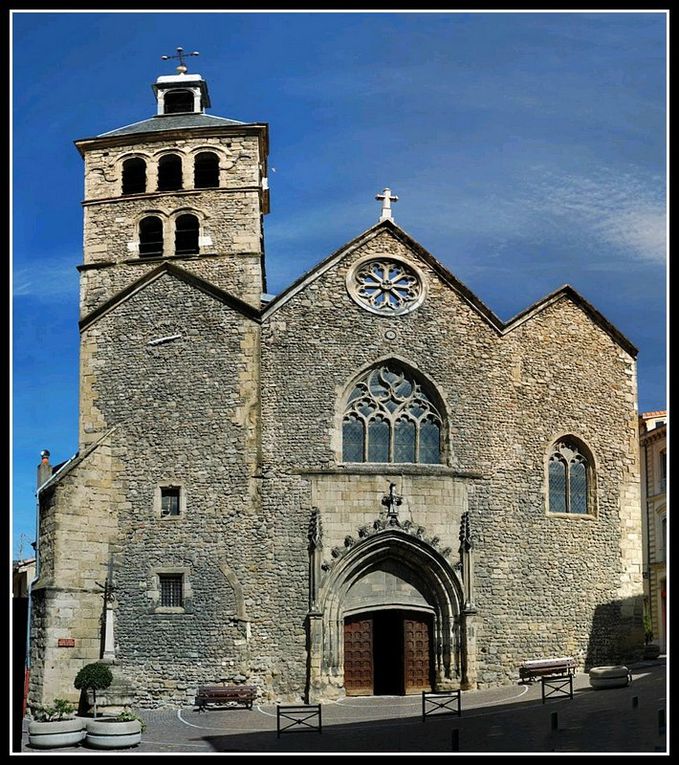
point(648, 627)
point(96, 676)
point(127, 716)
point(60, 710)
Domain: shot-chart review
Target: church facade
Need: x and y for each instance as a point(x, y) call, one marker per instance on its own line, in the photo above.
point(367, 485)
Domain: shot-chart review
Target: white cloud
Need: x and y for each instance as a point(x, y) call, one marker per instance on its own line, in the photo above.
point(46, 279)
point(614, 207)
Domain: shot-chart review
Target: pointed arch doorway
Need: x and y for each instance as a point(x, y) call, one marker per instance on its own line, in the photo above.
point(388, 652)
point(388, 620)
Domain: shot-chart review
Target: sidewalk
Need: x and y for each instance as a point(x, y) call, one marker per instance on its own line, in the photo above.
point(505, 719)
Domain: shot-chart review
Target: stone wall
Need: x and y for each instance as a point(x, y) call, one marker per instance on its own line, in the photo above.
point(78, 523)
point(186, 412)
point(541, 581)
point(246, 419)
point(229, 216)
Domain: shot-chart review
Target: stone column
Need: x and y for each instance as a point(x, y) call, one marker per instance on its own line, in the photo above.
point(468, 649)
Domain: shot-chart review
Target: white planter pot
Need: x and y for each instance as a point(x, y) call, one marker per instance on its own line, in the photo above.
point(610, 677)
point(50, 735)
point(108, 733)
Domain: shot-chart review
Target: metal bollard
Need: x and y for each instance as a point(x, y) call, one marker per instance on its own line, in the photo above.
point(554, 724)
point(661, 722)
point(635, 702)
point(455, 744)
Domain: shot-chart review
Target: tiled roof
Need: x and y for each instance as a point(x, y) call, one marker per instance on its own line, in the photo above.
point(172, 122)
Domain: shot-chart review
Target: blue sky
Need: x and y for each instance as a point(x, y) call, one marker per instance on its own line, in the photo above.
point(527, 150)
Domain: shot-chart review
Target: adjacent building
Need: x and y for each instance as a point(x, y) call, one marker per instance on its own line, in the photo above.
point(653, 446)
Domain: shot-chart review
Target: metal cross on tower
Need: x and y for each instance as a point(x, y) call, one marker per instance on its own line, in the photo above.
point(387, 198)
point(180, 55)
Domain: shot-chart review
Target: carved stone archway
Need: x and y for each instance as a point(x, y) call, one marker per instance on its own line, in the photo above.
point(437, 580)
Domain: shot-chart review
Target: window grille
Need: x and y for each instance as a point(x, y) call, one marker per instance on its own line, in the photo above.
point(171, 586)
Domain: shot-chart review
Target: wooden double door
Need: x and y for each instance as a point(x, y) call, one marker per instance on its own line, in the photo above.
point(387, 653)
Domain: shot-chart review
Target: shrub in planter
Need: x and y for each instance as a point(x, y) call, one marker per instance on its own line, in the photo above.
point(93, 677)
point(55, 726)
point(115, 732)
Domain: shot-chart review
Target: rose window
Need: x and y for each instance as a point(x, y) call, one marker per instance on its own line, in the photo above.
point(387, 287)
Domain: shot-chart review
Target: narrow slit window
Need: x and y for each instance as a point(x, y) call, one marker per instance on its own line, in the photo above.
point(150, 237)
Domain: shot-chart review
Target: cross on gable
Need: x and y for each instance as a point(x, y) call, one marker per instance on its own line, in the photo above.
point(387, 198)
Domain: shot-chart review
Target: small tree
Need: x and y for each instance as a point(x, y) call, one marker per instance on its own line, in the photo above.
point(94, 677)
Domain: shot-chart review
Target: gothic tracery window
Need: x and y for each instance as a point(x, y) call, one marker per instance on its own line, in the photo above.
point(570, 475)
point(390, 418)
point(385, 286)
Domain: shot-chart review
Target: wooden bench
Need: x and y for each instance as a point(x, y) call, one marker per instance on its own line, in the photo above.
point(530, 670)
point(225, 694)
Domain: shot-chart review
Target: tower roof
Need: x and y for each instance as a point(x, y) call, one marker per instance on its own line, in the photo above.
point(172, 122)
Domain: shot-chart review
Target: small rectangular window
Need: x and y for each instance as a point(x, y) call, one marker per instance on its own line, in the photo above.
point(171, 586)
point(169, 500)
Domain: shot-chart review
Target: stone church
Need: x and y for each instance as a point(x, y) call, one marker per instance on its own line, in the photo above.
point(368, 484)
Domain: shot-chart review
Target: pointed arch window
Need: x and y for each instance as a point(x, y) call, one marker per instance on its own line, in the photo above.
point(134, 176)
point(150, 237)
point(170, 172)
point(206, 170)
point(186, 235)
point(570, 471)
point(178, 101)
point(389, 417)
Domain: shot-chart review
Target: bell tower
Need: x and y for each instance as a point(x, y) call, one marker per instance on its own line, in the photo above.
point(181, 186)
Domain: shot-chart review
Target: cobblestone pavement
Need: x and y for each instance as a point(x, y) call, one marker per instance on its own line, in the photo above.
point(508, 719)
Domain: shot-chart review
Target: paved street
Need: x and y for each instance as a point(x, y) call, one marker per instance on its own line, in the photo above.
point(509, 719)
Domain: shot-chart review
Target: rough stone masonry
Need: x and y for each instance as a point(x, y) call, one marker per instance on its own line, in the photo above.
point(279, 565)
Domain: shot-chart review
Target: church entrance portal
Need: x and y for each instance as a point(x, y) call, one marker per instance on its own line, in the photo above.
point(387, 653)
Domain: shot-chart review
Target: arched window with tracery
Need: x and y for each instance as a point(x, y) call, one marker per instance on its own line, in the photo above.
point(570, 478)
point(389, 417)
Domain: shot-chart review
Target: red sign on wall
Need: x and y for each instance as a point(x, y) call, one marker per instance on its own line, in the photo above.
point(66, 643)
